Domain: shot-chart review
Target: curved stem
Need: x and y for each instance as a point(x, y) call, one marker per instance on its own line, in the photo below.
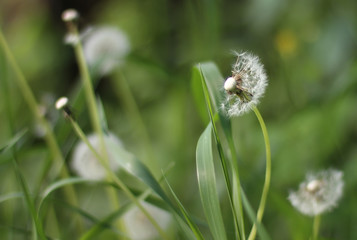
point(266, 186)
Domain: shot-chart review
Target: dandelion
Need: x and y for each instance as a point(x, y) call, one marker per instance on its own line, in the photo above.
point(139, 227)
point(84, 162)
point(246, 85)
point(319, 193)
point(105, 48)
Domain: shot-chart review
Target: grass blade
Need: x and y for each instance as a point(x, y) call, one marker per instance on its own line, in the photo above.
point(260, 228)
point(207, 184)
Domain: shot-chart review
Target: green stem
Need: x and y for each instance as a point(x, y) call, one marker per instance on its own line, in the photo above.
point(263, 199)
point(50, 139)
point(316, 227)
point(117, 180)
point(93, 111)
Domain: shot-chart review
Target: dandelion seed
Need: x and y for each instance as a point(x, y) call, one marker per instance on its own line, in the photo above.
point(246, 85)
point(105, 48)
point(319, 193)
point(138, 225)
point(84, 162)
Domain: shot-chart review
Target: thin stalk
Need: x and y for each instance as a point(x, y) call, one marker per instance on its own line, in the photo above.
point(117, 180)
point(93, 110)
point(316, 227)
point(50, 139)
point(266, 186)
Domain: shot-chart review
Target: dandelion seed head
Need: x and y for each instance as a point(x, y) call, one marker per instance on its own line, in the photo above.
point(105, 48)
point(250, 83)
point(84, 162)
point(319, 193)
point(135, 219)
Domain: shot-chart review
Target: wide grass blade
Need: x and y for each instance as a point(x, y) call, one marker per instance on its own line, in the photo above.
point(211, 89)
point(207, 184)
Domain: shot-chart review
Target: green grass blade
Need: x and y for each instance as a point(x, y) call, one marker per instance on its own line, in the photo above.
point(56, 185)
point(13, 141)
point(260, 228)
point(236, 209)
point(11, 196)
point(197, 234)
point(136, 168)
point(207, 184)
point(29, 201)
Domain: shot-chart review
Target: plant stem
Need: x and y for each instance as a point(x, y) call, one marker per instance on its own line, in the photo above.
point(263, 199)
point(93, 111)
point(117, 180)
point(316, 227)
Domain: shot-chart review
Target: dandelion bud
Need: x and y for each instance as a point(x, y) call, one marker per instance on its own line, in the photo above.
point(319, 193)
point(246, 85)
point(230, 84)
point(61, 103)
point(70, 15)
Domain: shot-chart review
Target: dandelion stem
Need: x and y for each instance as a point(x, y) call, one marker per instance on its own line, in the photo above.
point(114, 178)
point(263, 199)
point(316, 227)
point(93, 110)
point(49, 136)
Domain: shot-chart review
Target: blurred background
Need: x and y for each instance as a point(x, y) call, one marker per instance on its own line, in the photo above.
point(309, 49)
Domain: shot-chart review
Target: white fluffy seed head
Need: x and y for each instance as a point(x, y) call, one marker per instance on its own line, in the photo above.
point(70, 15)
point(319, 193)
point(135, 219)
point(84, 162)
point(252, 79)
point(105, 48)
point(61, 102)
point(230, 84)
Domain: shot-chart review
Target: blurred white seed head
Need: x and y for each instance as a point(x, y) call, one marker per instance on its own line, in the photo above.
point(70, 15)
point(85, 164)
point(105, 48)
point(319, 193)
point(246, 85)
point(139, 227)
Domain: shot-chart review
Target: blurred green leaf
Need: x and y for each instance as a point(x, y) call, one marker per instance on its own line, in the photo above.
point(207, 184)
point(11, 196)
